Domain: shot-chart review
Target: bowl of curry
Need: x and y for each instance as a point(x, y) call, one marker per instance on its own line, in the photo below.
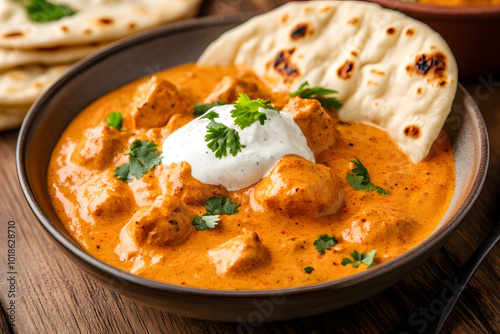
point(273, 246)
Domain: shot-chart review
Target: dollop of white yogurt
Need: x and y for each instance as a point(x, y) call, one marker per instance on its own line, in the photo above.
point(264, 144)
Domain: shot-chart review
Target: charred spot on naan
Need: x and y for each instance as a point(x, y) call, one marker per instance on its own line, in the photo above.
point(391, 31)
point(283, 64)
point(412, 131)
point(353, 21)
point(14, 34)
point(300, 30)
point(345, 71)
point(433, 66)
point(105, 21)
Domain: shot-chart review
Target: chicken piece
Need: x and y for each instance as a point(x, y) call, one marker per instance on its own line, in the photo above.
point(240, 254)
point(175, 122)
point(229, 88)
point(166, 222)
point(105, 197)
point(314, 121)
point(375, 226)
point(176, 180)
point(296, 186)
point(98, 146)
point(155, 101)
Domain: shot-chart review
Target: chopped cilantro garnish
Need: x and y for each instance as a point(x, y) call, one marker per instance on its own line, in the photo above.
point(246, 111)
point(217, 205)
point(359, 258)
point(44, 11)
point(220, 138)
point(143, 157)
point(221, 205)
point(308, 270)
point(319, 94)
point(200, 108)
point(211, 116)
point(115, 120)
point(324, 242)
point(360, 180)
point(205, 222)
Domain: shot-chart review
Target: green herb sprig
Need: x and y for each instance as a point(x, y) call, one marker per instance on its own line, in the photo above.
point(360, 180)
point(359, 258)
point(115, 120)
point(222, 138)
point(41, 11)
point(324, 242)
point(246, 111)
point(200, 108)
point(319, 94)
point(143, 157)
point(217, 205)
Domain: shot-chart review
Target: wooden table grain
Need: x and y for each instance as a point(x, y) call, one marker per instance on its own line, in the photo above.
point(52, 295)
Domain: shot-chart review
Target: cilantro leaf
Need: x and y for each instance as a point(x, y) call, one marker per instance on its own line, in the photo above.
point(44, 11)
point(143, 156)
point(205, 222)
point(246, 111)
point(360, 258)
point(122, 173)
point(308, 270)
point(220, 138)
point(360, 180)
point(200, 108)
point(221, 205)
point(115, 120)
point(324, 242)
point(318, 93)
point(217, 205)
point(211, 116)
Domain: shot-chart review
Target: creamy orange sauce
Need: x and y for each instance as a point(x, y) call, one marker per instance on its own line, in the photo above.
point(461, 2)
point(95, 207)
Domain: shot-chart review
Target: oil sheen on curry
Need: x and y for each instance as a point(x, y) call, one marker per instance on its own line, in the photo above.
point(290, 196)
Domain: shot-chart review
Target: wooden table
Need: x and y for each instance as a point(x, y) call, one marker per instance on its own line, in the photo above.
point(54, 296)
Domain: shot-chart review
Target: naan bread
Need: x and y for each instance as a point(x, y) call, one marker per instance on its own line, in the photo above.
point(94, 21)
point(21, 86)
point(390, 70)
point(31, 53)
point(11, 117)
point(10, 58)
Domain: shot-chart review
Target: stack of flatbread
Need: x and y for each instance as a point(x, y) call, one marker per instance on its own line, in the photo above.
point(35, 54)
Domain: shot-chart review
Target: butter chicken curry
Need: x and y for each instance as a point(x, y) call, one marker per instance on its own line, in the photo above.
point(352, 199)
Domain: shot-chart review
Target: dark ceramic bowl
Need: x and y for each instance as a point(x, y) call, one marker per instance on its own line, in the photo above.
point(181, 43)
point(473, 33)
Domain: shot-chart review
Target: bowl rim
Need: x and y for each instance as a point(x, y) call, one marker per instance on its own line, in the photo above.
point(71, 246)
point(442, 13)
